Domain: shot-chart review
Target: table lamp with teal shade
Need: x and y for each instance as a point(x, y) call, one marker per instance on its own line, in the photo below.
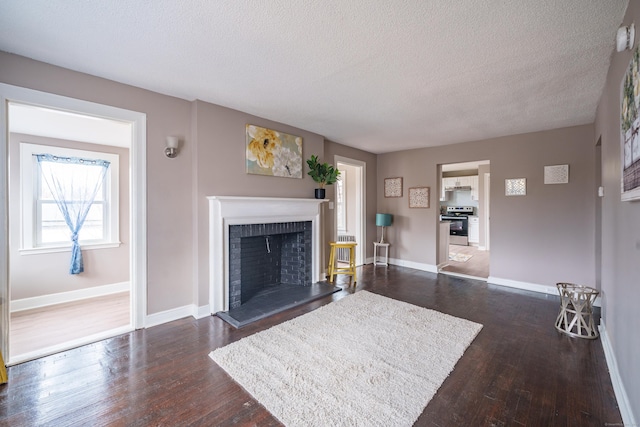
point(383, 220)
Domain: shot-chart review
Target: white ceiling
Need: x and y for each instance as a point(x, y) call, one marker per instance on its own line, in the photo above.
point(377, 75)
point(51, 123)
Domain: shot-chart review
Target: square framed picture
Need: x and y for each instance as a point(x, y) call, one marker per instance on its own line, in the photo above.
point(273, 153)
point(393, 187)
point(419, 197)
point(515, 187)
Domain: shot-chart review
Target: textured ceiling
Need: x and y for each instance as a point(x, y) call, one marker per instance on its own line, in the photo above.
point(378, 75)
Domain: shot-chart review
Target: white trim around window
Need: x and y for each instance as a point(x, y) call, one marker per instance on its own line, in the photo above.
point(28, 200)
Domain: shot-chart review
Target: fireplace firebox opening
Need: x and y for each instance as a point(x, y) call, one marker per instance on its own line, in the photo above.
point(264, 256)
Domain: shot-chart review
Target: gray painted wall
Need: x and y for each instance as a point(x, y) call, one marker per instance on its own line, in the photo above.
point(620, 228)
point(35, 275)
point(210, 162)
point(543, 238)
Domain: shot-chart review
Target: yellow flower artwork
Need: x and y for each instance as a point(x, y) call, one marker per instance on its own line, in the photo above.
point(630, 129)
point(274, 153)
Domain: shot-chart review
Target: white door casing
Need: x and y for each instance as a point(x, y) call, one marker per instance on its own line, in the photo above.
point(361, 202)
point(138, 227)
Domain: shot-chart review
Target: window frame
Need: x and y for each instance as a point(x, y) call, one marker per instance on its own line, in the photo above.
point(29, 199)
point(341, 203)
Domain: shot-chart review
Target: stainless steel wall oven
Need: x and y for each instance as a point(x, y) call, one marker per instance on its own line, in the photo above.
point(458, 216)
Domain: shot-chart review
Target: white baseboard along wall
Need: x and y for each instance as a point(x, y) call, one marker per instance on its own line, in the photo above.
point(71, 296)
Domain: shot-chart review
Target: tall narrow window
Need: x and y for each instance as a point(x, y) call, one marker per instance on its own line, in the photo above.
point(341, 208)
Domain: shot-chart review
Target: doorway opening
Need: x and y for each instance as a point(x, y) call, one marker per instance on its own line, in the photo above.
point(350, 212)
point(599, 194)
point(463, 231)
point(53, 301)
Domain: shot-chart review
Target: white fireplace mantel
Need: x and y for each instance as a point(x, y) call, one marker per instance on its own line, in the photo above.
point(234, 210)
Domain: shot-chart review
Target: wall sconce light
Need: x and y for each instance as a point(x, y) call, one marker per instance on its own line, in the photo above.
point(383, 220)
point(625, 38)
point(172, 147)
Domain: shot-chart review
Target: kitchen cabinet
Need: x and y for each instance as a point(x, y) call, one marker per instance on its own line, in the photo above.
point(449, 182)
point(446, 183)
point(474, 229)
point(474, 187)
point(460, 181)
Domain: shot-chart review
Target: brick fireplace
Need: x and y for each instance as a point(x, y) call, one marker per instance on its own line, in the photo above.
point(243, 227)
point(267, 255)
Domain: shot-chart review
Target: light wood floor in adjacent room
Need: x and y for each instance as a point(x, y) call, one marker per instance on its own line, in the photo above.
point(476, 266)
point(39, 328)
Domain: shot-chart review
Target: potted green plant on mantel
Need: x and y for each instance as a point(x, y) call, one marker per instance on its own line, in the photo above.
point(323, 174)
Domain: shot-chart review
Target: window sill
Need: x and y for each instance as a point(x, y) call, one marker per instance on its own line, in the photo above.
point(54, 249)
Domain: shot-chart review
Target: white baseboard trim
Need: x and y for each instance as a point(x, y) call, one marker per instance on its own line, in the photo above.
point(62, 297)
point(616, 379)
point(369, 260)
point(527, 286)
point(170, 315)
point(543, 289)
point(411, 264)
point(464, 276)
point(202, 312)
point(166, 316)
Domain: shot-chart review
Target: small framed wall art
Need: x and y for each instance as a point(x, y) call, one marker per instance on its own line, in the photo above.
point(558, 174)
point(419, 197)
point(515, 187)
point(393, 187)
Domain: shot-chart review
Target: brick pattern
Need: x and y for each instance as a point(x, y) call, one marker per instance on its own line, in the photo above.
point(254, 265)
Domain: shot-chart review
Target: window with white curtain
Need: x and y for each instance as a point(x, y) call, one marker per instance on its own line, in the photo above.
point(43, 225)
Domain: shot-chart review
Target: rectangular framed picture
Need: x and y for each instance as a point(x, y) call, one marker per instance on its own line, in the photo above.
point(630, 131)
point(273, 153)
point(393, 187)
point(419, 197)
point(558, 174)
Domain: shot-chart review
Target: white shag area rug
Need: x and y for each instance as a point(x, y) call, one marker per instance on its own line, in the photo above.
point(365, 360)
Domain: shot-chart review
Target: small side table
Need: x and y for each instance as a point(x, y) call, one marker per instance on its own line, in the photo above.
point(576, 311)
point(376, 246)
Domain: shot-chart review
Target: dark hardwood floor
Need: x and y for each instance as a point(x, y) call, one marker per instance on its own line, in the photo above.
point(519, 371)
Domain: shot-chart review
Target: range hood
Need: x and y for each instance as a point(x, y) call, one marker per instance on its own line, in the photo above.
point(460, 188)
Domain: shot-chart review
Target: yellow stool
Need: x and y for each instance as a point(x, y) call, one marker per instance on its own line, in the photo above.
point(3, 371)
point(351, 269)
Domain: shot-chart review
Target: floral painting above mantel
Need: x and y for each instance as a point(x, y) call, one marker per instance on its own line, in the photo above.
point(273, 153)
